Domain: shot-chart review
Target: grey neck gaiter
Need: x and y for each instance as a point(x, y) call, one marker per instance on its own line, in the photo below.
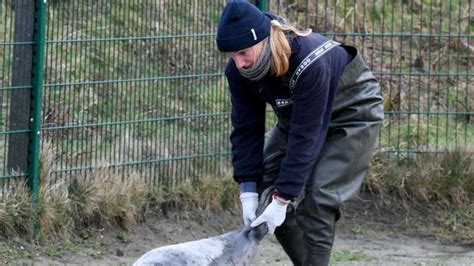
point(261, 66)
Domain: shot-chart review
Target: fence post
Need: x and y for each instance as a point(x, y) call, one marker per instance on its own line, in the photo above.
point(22, 68)
point(36, 101)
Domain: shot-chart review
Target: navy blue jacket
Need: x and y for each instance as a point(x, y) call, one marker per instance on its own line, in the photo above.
point(307, 108)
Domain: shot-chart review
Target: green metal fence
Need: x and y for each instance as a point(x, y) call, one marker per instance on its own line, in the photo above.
point(139, 86)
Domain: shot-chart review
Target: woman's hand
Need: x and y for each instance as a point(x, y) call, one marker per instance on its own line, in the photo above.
point(274, 215)
point(249, 202)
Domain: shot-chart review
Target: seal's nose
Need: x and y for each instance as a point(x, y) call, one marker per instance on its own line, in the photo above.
point(259, 231)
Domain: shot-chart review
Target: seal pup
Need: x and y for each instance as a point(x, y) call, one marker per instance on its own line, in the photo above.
point(233, 248)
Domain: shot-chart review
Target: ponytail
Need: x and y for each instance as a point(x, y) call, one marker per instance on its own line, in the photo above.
point(280, 47)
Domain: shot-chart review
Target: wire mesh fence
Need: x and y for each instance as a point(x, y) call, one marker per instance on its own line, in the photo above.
point(139, 85)
point(422, 54)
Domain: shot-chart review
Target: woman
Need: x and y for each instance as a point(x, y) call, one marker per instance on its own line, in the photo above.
point(329, 110)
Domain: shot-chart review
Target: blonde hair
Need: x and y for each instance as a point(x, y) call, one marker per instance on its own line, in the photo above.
point(280, 47)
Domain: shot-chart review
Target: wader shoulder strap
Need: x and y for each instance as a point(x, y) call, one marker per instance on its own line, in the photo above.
point(311, 58)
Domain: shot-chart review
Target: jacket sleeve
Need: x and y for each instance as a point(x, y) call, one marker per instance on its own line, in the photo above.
point(312, 103)
point(248, 122)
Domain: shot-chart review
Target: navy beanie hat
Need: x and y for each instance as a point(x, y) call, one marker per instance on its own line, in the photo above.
point(241, 26)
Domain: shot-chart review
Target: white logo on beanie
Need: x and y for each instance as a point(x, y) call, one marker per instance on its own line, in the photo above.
point(254, 35)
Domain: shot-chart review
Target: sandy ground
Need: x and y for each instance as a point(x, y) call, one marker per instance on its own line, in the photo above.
point(355, 244)
point(379, 250)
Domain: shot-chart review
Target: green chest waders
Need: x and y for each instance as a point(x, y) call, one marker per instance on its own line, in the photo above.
point(307, 235)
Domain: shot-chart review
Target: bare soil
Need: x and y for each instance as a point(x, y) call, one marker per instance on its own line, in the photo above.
point(364, 237)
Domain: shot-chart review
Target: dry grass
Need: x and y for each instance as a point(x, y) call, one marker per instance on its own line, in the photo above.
point(16, 210)
point(204, 196)
point(53, 198)
point(442, 185)
point(65, 206)
point(102, 198)
point(445, 180)
point(438, 189)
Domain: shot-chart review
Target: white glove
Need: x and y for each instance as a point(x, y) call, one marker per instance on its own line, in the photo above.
point(274, 215)
point(249, 202)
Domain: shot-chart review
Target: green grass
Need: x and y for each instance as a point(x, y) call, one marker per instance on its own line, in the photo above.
point(110, 61)
point(13, 251)
point(388, 16)
point(2, 158)
point(75, 206)
point(146, 142)
point(6, 54)
point(425, 133)
point(353, 256)
point(6, 51)
point(51, 251)
point(458, 222)
point(18, 249)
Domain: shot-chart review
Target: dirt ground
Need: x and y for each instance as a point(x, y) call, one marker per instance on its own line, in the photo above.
point(359, 241)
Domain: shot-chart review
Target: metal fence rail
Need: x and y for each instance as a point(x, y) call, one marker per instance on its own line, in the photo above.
point(138, 85)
